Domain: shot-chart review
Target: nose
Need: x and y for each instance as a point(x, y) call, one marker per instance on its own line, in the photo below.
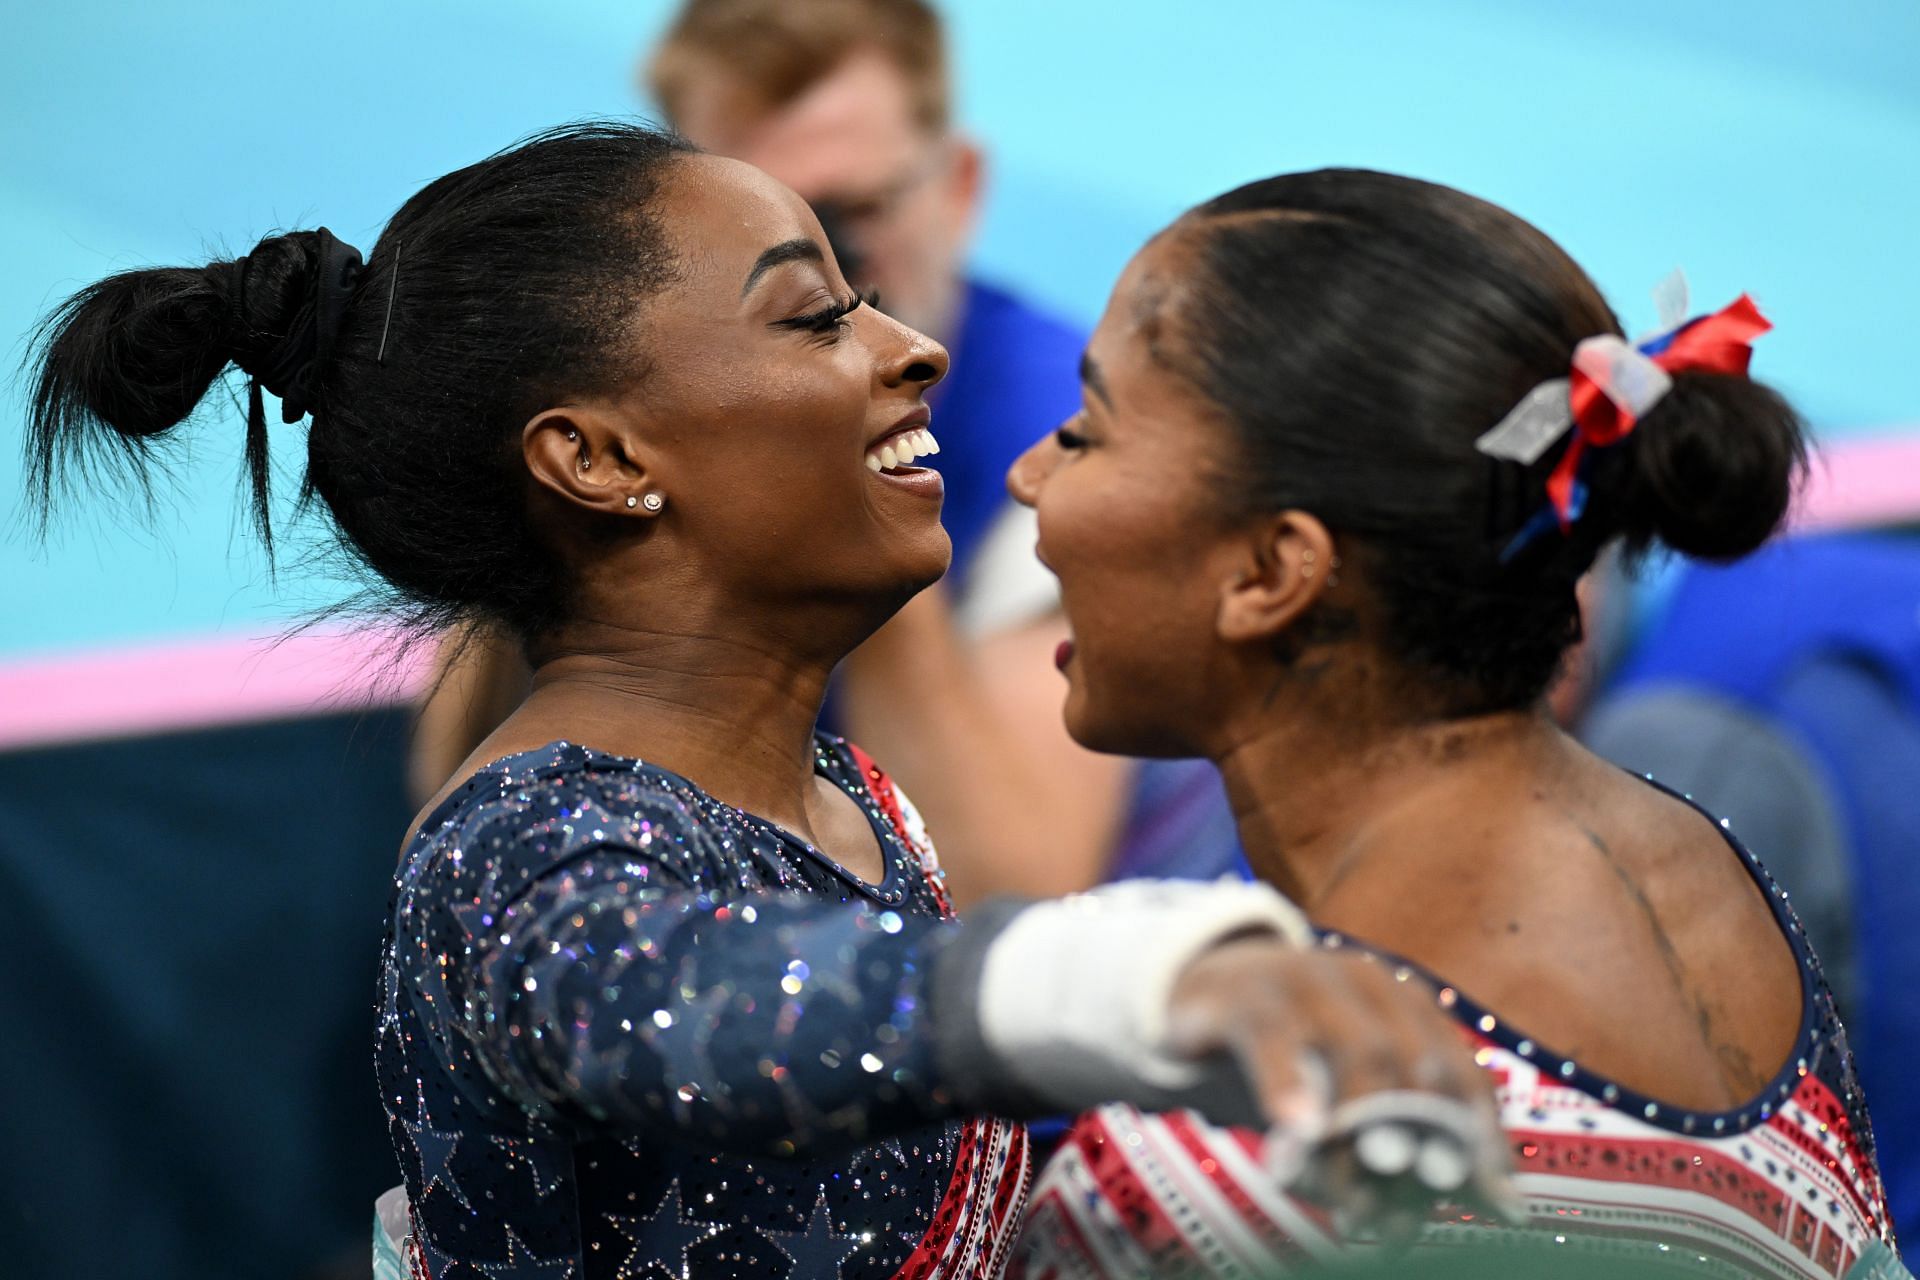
point(1030, 470)
point(913, 358)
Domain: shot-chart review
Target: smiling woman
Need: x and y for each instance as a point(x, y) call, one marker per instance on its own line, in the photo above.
point(670, 980)
point(1293, 535)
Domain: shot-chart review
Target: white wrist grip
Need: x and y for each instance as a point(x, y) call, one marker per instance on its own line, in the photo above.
point(1074, 991)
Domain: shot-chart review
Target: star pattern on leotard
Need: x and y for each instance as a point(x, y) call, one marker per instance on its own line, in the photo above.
point(546, 1169)
point(497, 895)
point(435, 1148)
point(435, 1262)
point(818, 1251)
point(666, 1234)
point(389, 1001)
point(521, 1263)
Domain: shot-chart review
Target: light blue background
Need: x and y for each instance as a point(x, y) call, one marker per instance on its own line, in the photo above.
point(1767, 146)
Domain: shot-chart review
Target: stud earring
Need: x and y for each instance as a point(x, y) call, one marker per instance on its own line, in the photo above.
point(652, 502)
point(572, 434)
point(586, 464)
point(632, 501)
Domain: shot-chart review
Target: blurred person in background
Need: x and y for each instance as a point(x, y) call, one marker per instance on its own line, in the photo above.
point(848, 102)
point(1783, 693)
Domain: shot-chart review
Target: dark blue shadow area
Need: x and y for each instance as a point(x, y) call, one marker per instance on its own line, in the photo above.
point(190, 935)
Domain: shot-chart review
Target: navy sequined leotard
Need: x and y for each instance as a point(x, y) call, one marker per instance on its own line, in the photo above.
point(626, 1030)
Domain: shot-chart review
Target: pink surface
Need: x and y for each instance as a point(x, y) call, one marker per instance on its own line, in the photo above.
point(1863, 482)
point(190, 684)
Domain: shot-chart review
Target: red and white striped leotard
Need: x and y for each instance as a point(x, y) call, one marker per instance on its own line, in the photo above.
point(1783, 1187)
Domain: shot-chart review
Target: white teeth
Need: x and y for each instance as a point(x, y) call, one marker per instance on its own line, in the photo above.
point(902, 450)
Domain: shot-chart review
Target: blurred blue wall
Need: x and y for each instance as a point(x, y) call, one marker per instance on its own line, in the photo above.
point(1765, 146)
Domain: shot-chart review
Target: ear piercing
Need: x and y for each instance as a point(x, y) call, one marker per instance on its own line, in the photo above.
point(1308, 558)
point(652, 502)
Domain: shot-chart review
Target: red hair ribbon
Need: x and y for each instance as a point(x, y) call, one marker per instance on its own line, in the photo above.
point(1719, 343)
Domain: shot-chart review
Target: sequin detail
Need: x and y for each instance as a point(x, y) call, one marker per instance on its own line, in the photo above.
point(627, 1030)
point(1785, 1186)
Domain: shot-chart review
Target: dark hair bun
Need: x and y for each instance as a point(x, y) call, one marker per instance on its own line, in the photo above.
point(1712, 468)
point(417, 379)
point(137, 350)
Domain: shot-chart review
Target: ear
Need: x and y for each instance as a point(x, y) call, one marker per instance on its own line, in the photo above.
point(588, 458)
point(966, 183)
point(1286, 564)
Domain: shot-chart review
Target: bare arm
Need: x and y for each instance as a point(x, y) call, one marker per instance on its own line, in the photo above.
point(972, 730)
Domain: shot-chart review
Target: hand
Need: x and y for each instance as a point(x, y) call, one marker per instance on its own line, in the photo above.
point(1377, 1106)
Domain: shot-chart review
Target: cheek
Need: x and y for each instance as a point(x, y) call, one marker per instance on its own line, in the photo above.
point(1142, 618)
point(788, 506)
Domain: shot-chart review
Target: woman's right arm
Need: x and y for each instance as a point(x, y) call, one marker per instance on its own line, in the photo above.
point(585, 956)
point(577, 941)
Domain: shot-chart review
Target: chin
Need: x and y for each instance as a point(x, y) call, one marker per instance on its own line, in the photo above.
point(1090, 729)
point(1100, 726)
point(924, 560)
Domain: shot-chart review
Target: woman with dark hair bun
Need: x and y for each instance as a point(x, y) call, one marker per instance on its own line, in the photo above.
point(1348, 443)
point(671, 985)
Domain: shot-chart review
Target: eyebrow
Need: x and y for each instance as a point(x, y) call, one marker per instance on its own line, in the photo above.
point(1095, 381)
point(796, 250)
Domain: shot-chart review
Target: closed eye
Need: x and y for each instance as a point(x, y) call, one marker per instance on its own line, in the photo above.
point(828, 319)
point(1068, 438)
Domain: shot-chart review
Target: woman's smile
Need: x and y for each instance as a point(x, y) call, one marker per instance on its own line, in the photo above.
point(890, 457)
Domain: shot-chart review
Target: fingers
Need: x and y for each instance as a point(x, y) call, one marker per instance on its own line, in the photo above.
point(1273, 1005)
point(1377, 1106)
point(1391, 1036)
point(1238, 998)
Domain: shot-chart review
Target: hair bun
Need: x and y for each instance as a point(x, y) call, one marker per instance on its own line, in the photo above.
point(289, 299)
point(137, 351)
point(1712, 468)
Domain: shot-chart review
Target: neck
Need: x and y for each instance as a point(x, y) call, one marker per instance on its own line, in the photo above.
point(1317, 796)
point(718, 706)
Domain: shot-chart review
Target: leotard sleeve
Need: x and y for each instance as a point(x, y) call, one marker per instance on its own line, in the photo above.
point(585, 949)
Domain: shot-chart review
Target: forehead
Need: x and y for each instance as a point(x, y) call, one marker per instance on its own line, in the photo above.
point(851, 129)
point(1142, 317)
point(720, 214)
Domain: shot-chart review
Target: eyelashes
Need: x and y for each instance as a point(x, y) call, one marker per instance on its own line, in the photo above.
point(1067, 438)
point(827, 321)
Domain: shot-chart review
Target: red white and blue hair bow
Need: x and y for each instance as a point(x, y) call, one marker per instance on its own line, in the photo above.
point(1612, 385)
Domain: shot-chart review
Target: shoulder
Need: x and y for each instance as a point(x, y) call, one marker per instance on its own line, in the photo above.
point(862, 778)
point(524, 814)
